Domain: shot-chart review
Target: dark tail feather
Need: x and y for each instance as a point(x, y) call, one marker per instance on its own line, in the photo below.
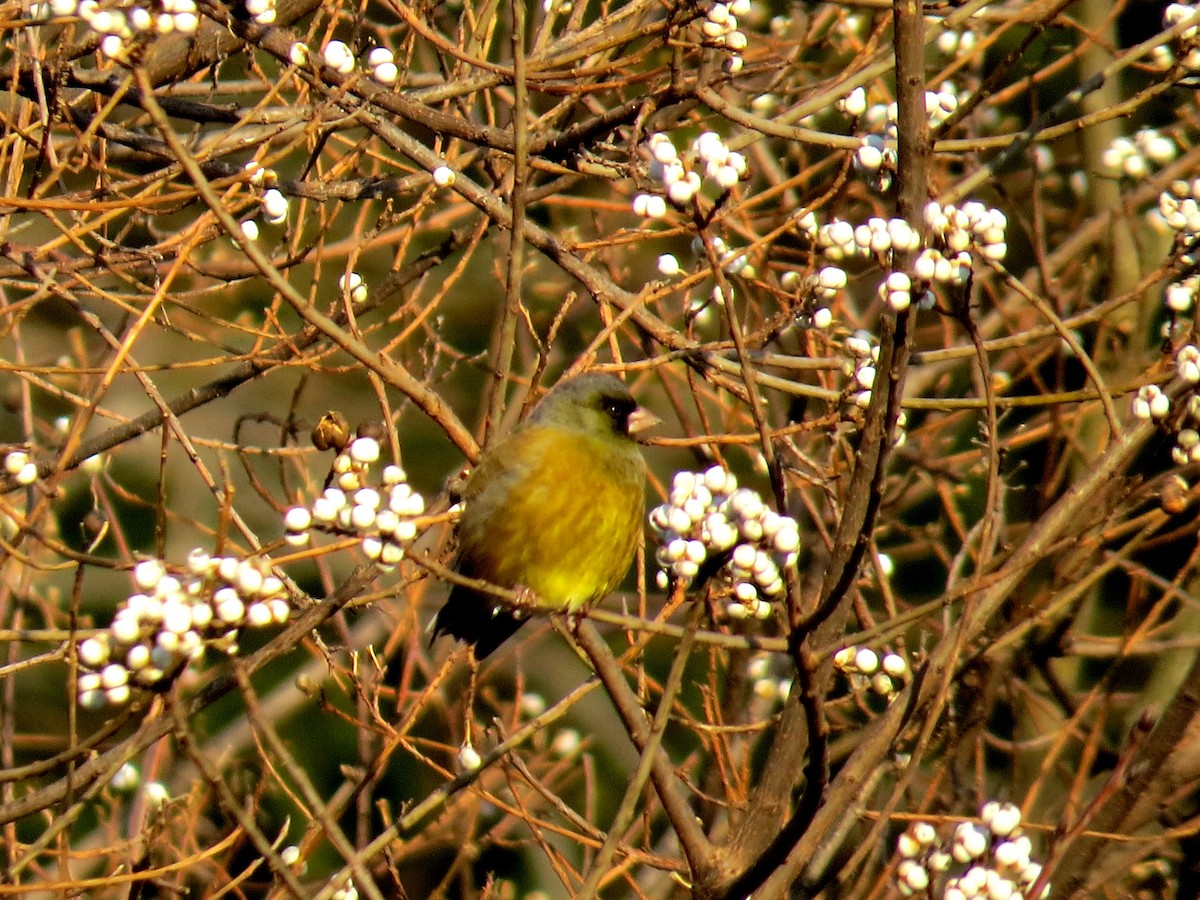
point(476, 619)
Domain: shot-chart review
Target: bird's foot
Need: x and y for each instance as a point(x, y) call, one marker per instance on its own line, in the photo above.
point(525, 603)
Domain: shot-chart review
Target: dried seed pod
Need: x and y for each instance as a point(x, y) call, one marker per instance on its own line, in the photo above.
point(1174, 497)
point(376, 430)
point(332, 432)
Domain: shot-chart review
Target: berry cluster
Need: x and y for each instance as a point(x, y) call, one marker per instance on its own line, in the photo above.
point(876, 237)
point(383, 66)
point(876, 159)
point(1187, 45)
point(1187, 363)
point(896, 290)
point(860, 366)
point(720, 28)
point(866, 670)
point(708, 517)
point(939, 105)
point(21, 467)
point(876, 154)
point(862, 356)
point(1151, 403)
point(935, 267)
point(274, 206)
point(854, 104)
point(352, 286)
point(997, 857)
point(1135, 157)
point(681, 173)
point(380, 63)
point(1180, 296)
point(768, 683)
point(973, 224)
point(732, 261)
point(170, 621)
point(124, 24)
point(946, 260)
point(1179, 207)
point(381, 517)
point(953, 43)
point(819, 289)
point(339, 57)
point(1187, 439)
point(262, 11)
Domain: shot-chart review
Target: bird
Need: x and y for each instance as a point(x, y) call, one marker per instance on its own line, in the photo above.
point(553, 511)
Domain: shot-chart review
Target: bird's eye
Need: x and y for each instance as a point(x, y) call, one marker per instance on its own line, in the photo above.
point(618, 410)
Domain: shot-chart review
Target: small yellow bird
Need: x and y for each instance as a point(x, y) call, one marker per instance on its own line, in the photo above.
point(553, 509)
